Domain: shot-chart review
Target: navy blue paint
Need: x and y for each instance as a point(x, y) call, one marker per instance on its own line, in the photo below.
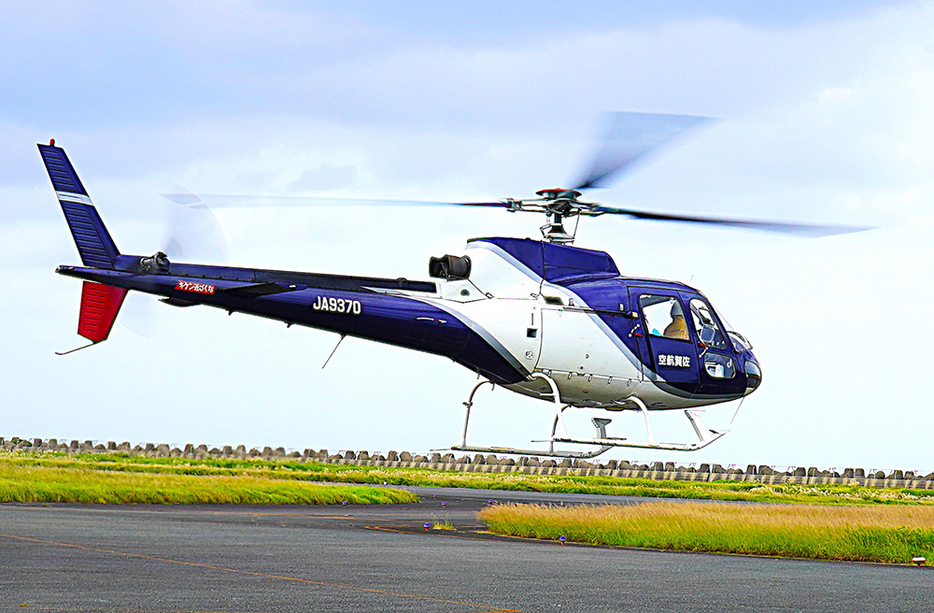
point(710, 386)
point(258, 275)
point(556, 263)
point(678, 381)
point(609, 297)
point(92, 239)
point(566, 264)
point(63, 175)
point(527, 251)
point(395, 320)
point(605, 297)
point(95, 246)
point(594, 277)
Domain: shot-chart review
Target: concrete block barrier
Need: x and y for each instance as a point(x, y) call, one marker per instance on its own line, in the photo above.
point(491, 463)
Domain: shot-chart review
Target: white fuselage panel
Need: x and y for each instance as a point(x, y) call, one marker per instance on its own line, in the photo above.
point(566, 340)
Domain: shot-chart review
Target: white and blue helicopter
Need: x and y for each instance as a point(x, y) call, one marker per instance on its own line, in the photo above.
point(540, 318)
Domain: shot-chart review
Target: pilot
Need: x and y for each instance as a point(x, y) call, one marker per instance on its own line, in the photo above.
point(677, 329)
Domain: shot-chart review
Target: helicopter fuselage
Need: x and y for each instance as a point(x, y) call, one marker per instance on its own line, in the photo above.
point(541, 318)
point(505, 309)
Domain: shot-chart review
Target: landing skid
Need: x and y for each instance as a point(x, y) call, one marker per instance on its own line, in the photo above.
point(705, 436)
point(574, 455)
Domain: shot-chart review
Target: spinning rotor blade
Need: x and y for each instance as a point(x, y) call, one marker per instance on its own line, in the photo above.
point(628, 139)
point(191, 234)
point(630, 136)
point(244, 200)
point(193, 231)
point(808, 230)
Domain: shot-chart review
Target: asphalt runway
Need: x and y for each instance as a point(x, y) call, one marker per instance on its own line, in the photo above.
point(171, 559)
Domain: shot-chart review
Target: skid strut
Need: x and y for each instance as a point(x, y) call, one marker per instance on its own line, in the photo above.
point(557, 429)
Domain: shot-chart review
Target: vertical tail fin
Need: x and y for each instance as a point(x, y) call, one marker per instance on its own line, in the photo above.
point(99, 307)
point(96, 247)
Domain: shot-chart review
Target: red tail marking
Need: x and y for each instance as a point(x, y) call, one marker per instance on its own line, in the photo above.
point(99, 307)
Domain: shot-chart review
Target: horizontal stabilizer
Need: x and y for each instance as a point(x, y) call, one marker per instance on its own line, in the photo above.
point(99, 307)
point(176, 302)
point(256, 290)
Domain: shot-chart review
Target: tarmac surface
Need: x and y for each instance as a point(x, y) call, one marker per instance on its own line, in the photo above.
point(173, 559)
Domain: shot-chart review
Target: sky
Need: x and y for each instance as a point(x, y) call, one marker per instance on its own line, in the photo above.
point(823, 115)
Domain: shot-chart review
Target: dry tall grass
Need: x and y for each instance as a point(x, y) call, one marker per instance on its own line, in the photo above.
point(891, 533)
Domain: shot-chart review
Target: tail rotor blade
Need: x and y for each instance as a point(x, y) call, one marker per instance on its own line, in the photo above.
point(140, 315)
point(193, 231)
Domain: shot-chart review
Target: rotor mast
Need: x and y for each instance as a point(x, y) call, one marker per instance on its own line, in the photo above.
point(557, 204)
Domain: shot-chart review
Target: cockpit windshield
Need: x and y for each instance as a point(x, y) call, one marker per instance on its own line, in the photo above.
point(706, 326)
point(740, 343)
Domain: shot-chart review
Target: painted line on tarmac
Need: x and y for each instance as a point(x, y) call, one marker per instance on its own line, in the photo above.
point(48, 508)
point(433, 532)
point(107, 609)
point(484, 608)
point(303, 515)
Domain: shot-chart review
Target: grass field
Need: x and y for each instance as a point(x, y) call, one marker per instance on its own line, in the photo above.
point(834, 522)
point(287, 470)
point(28, 482)
point(892, 533)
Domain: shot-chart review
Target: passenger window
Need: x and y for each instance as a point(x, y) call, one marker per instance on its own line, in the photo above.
point(664, 317)
point(706, 326)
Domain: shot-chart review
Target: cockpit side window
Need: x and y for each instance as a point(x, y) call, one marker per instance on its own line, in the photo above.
point(706, 326)
point(664, 317)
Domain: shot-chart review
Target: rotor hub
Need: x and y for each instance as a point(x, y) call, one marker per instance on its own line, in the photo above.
point(557, 203)
point(558, 193)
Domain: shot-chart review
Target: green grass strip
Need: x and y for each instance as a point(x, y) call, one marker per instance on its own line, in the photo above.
point(76, 484)
point(892, 534)
point(288, 469)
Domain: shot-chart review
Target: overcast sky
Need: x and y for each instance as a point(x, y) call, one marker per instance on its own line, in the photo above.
point(824, 115)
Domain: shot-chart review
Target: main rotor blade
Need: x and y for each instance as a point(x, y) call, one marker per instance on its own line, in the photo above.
point(246, 200)
point(783, 227)
point(630, 136)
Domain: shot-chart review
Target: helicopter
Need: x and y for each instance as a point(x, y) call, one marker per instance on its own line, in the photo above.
point(542, 318)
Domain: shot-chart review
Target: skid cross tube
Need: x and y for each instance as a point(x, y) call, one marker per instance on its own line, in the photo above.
point(705, 435)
